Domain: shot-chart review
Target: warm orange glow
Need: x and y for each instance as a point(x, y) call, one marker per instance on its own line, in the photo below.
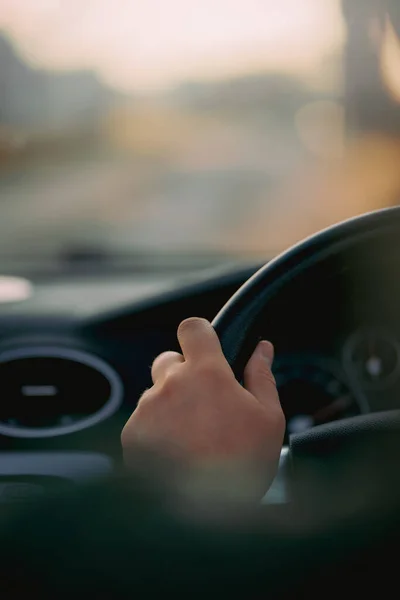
point(390, 61)
point(142, 44)
point(366, 178)
point(320, 126)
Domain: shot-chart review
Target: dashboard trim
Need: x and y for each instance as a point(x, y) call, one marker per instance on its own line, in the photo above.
point(75, 466)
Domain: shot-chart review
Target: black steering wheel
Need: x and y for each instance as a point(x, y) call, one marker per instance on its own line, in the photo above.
point(238, 322)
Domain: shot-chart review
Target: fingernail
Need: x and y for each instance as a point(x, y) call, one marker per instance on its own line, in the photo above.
point(267, 351)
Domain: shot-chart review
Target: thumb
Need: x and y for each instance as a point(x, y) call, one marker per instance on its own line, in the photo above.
point(258, 377)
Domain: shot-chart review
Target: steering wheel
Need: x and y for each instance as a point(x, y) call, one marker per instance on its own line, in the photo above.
point(237, 324)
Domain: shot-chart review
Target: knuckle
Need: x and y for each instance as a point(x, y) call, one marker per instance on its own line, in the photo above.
point(165, 359)
point(172, 382)
point(159, 358)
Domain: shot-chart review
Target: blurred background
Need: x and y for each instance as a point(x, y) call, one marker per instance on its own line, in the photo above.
point(150, 133)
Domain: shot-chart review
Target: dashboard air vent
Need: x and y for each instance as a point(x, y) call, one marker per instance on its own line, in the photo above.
point(54, 391)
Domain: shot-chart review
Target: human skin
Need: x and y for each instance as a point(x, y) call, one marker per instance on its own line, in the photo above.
point(197, 414)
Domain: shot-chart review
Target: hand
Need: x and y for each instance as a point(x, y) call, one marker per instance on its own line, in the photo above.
point(198, 414)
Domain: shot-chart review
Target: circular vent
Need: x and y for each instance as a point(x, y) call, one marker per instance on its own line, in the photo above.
point(53, 391)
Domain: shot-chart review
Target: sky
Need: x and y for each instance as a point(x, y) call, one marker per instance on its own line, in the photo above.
point(153, 44)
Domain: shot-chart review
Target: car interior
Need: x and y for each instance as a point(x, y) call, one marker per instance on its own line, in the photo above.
point(82, 322)
point(329, 305)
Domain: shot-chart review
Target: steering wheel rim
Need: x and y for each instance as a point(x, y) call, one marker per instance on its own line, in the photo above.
point(236, 323)
point(236, 326)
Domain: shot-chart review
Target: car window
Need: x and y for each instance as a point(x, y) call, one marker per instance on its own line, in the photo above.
point(179, 128)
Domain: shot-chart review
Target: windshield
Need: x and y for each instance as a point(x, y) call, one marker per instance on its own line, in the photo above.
point(219, 128)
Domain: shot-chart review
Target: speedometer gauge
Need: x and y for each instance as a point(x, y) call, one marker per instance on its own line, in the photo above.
point(312, 393)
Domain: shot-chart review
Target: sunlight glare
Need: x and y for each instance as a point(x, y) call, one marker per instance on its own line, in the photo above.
point(141, 44)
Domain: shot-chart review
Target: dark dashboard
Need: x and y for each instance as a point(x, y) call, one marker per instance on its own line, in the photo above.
point(75, 357)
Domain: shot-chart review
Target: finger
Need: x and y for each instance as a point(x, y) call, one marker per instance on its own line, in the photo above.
point(163, 364)
point(199, 340)
point(258, 377)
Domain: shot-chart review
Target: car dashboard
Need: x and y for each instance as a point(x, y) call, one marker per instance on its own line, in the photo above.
point(75, 358)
